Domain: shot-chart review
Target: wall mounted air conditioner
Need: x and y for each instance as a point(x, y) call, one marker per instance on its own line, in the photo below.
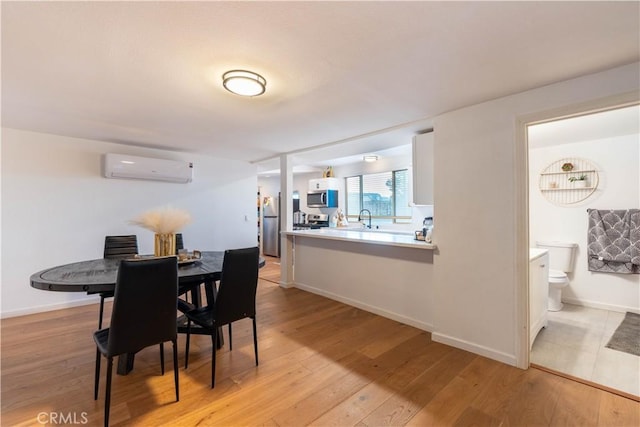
point(133, 167)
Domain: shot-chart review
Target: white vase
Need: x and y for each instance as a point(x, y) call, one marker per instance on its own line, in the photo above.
point(580, 183)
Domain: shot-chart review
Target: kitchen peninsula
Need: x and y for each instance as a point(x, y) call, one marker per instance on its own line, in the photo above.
point(365, 236)
point(389, 274)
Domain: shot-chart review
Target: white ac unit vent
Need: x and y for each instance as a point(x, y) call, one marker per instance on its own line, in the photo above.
point(133, 167)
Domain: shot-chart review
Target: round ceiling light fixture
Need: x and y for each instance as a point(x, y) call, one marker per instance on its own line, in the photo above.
point(244, 83)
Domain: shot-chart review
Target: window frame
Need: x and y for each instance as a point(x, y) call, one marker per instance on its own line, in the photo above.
point(395, 219)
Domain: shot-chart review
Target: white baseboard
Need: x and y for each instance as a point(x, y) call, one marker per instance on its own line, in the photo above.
point(287, 285)
point(601, 306)
point(49, 307)
point(509, 359)
point(366, 307)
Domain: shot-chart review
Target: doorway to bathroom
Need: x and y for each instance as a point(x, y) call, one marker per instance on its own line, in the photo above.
point(585, 162)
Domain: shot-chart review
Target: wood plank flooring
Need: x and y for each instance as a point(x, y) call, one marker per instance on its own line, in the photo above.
point(322, 363)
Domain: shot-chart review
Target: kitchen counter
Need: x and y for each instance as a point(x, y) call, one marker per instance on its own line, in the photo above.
point(369, 237)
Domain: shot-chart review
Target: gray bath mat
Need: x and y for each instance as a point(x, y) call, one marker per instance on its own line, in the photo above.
point(627, 337)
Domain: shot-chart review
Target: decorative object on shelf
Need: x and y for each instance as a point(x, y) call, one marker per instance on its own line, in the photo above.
point(568, 181)
point(579, 181)
point(165, 222)
point(567, 167)
point(328, 172)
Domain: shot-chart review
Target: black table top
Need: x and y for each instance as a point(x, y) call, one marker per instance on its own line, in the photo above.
point(99, 275)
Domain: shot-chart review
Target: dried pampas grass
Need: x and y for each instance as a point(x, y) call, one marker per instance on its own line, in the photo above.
point(166, 220)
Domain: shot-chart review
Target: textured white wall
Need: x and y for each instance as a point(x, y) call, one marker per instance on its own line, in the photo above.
point(616, 160)
point(57, 208)
point(477, 272)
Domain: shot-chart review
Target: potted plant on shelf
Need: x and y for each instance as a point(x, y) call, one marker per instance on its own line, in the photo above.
point(567, 167)
point(579, 181)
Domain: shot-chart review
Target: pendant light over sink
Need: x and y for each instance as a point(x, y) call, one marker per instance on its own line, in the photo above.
point(244, 83)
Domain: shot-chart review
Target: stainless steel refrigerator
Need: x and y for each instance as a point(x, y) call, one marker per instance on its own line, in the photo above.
point(271, 227)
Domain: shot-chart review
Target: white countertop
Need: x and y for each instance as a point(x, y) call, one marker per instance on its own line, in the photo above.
point(370, 237)
point(536, 253)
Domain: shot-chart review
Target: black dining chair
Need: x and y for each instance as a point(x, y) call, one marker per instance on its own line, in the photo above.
point(144, 314)
point(235, 300)
point(179, 242)
point(117, 247)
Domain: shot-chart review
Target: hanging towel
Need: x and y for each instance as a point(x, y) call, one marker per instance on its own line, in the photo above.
point(613, 241)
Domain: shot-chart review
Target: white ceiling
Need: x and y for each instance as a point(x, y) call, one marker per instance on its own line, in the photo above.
point(588, 127)
point(367, 73)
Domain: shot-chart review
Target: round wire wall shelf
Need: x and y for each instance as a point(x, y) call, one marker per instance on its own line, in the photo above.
point(568, 181)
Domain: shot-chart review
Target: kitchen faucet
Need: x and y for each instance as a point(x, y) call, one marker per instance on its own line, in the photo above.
point(360, 217)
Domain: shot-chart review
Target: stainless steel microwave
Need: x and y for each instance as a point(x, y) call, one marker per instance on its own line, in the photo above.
point(322, 199)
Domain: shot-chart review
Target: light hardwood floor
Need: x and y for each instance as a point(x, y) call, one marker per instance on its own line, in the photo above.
point(321, 363)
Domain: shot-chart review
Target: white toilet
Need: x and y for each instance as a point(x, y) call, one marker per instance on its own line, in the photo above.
point(561, 255)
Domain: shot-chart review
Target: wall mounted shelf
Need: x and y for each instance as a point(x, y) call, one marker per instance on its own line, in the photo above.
point(555, 184)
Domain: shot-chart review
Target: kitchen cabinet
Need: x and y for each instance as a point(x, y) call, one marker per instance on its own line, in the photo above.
point(324, 184)
point(422, 151)
point(538, 291)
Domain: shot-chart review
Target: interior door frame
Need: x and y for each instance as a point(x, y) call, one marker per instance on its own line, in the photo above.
point(522, 200)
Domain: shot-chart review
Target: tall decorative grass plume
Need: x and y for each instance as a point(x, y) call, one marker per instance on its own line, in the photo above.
point(167, 220)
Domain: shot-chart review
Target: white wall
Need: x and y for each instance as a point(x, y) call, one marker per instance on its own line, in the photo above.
point(57, 208)
point(616, 160)
point(394, 282)
point(478, 273)
point(269, 186)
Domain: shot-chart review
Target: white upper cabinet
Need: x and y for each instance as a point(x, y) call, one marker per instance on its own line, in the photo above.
point(324, 184)
point(423, 169)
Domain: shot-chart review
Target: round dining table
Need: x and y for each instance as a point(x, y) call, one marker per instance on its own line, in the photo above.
point(99, 275)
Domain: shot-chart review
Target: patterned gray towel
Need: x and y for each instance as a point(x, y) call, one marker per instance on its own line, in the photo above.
point(613, 241)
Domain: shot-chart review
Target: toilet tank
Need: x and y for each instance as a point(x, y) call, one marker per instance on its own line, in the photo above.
point(561, 254)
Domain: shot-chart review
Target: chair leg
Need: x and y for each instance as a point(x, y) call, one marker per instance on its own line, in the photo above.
point(175, 368)
point(230, 339)
point(186, 350)
point(162, 358)
point(107, 399)
point(96, 381)
point(214, 340)
point(255, 340)
point(101, 311)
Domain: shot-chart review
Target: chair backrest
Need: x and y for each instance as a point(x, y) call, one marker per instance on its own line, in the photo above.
point(145, 304)
point(120, 246)
point(236, 297)
point(179, 242)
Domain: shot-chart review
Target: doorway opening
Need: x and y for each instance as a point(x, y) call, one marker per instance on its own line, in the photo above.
point(603, 149)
